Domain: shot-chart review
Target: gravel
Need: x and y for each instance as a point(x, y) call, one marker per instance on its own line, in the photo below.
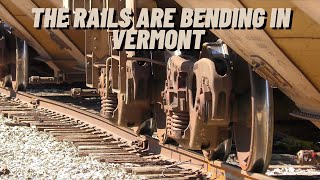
point(291, 171)
point(287, 170)
point(29, 154)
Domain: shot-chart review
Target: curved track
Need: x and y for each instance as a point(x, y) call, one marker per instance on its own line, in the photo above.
point(216, 168)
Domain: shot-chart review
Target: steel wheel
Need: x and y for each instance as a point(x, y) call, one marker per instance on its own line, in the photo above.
point(6, 81)
point(221, 153)
point(253, 126)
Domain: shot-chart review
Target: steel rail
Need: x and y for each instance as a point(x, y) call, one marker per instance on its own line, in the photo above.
point(218, 169)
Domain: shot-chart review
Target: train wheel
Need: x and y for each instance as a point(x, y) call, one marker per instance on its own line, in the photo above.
point(6, 81)
point(5, 77)
point(22, 65)
point(221, 153)
point(2, 83)
point(253, 126)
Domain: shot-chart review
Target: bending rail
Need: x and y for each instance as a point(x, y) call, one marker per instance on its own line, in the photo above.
point(217, 168)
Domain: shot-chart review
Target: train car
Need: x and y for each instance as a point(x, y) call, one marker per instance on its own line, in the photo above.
point(202, 100)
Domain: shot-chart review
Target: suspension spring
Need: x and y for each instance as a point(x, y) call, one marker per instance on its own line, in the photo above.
point(179, 121)
point(168, 122)
point(109, 105)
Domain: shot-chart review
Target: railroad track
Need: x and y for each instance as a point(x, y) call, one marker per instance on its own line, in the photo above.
point(97, 137)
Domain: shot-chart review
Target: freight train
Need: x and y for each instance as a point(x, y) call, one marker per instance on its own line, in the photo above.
point(200, 99)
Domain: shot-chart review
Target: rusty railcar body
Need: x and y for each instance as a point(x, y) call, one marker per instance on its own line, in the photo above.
point(201, 100)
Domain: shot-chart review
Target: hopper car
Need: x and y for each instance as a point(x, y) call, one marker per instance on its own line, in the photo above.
point(199, 99)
